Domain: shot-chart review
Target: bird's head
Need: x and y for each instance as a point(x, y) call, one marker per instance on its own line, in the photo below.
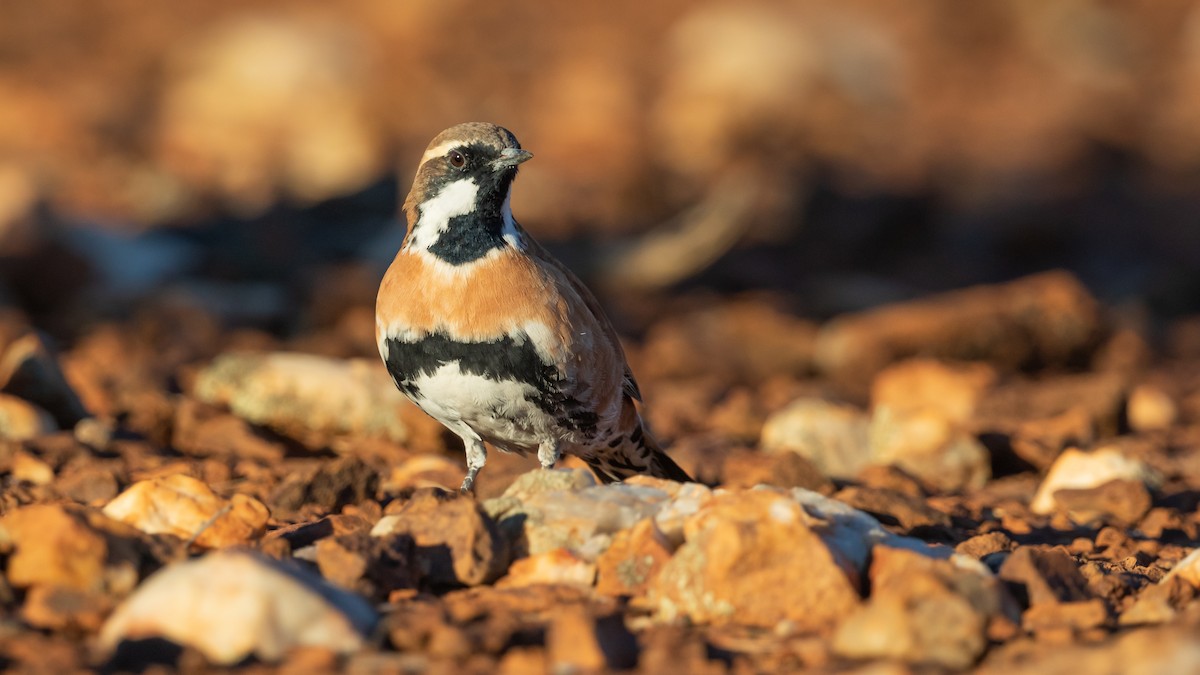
point(460, 194)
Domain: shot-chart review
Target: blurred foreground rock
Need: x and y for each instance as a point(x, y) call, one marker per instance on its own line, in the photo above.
point(20, 419)
point(239, 604)
point(302, 394)
point(924, 611)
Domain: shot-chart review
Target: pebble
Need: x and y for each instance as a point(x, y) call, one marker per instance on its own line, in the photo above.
point(298, 393)
point(1080, 470)
point(233, 604)
point(830, 435)
point(187, 508)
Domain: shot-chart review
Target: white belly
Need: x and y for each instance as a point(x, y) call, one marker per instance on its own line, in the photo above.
point(499, 411)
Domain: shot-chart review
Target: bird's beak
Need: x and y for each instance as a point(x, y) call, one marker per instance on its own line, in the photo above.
point(510, 157)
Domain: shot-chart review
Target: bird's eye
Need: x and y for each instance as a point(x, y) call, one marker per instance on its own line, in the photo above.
point(457, 159)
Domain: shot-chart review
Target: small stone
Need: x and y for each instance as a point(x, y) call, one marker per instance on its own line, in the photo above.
point(72, 547)
point(187, 508)
point(738, 565)
point(21, 420)
point(636, 556)
point(424, 471)
point(559, 566)
point(952, 391)
point(929, 446)
point(87, 484)
point(747, 468)
point(240, 604)
point(921, 611)
point(456, 541)
point(1150, 409)
point(1123, 500)
point(583, 520)
point(1044, 575)
point(831, 436)
point(982, 545)
point(1079, 469)
point(1159, 603)
point(300, 393)
point(94, 432)
point(30, 469)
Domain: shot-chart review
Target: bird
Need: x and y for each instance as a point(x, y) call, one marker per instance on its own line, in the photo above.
point(487, 333)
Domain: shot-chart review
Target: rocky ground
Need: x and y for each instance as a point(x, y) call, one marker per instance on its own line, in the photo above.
point(1003, 478)
point(823, 227)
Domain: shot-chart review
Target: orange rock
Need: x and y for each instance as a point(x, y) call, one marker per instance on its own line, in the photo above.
point(559, 566)
point(1150, 408)
point(922, 611)
point(832, 436)
point(72, 547)
point(1078, 469)
point(187, 508)
point(301, 394)
point(635, 557)
point(952, 390)
point(30, 469)
point(750, 558)
point(423, 471)
point(20, 419)
point(456, 541)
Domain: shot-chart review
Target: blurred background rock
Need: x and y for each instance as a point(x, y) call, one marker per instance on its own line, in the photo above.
point(245, 157)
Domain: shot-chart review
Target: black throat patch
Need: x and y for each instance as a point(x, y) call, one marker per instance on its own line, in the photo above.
point(469, 237)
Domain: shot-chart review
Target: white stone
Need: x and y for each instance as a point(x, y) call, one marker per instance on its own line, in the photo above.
point(1081, 470)
point(233, 604)
point(832, 436)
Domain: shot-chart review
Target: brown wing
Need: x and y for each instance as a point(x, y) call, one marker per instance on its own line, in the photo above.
point(629, 385)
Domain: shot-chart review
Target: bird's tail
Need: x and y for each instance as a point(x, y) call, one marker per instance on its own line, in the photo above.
point(632, 453)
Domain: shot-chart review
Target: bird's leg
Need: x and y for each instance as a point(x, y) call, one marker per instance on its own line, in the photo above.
point(548, 454)
point(476, 458)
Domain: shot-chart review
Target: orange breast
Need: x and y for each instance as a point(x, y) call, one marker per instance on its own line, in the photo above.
point(482, 301)
point(504, 294)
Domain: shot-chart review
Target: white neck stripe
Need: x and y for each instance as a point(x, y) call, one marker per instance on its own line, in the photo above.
point(434, 215)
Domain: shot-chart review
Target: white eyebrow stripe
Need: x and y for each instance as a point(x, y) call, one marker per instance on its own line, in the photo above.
point(439, 150)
